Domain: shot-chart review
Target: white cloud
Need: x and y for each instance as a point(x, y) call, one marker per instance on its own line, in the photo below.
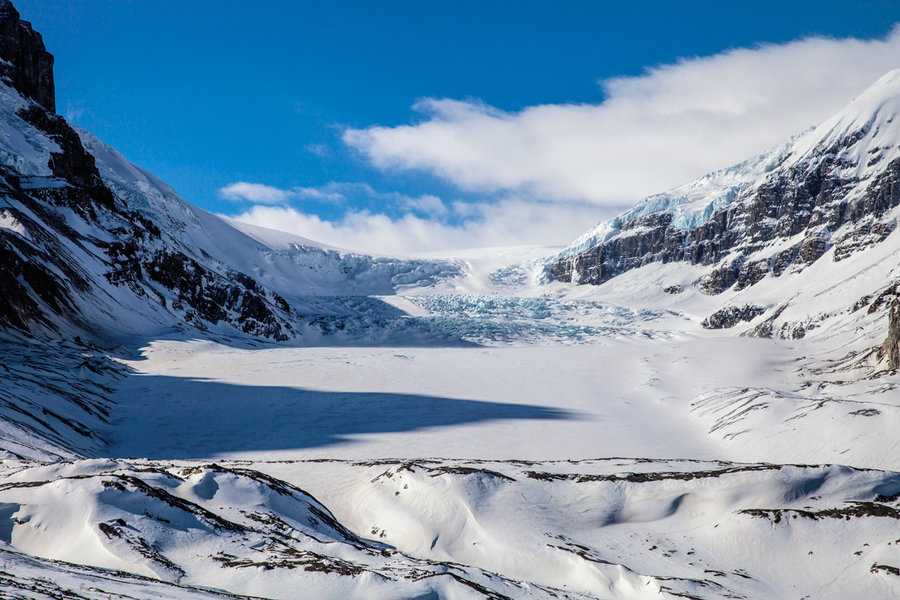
point(509, 222)
point(426, 204)
point(668, 126)
point(320, 150)
point(256, 193)
point(259, 193)
point(327, 193)
point(335, 192)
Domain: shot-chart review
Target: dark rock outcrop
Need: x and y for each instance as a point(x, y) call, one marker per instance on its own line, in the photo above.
point(891, 346)
point(731, 316)
point(73, 164)
point(766, 329)
point(27, 65)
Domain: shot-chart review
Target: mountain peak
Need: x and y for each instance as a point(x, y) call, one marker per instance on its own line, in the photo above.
point(27, 65)
point(881, 99)
point(867, 122)
point(887, 83)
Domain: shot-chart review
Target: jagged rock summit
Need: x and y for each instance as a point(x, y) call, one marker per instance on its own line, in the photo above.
point(27, 65)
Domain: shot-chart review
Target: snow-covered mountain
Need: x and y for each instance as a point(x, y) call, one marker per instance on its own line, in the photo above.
point(827, 199)
point(94, 245)
point(831, 187)
point(192, 407)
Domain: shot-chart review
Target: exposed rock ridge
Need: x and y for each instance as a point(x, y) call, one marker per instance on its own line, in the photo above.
point(810, 199)
point(891, 347)
point(828, 190)
point(27, 65)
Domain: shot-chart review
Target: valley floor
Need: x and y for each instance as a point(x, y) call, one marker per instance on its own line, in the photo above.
point(562, 447)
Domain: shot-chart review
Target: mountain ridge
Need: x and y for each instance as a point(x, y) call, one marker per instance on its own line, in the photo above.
point(94, 246)
point(843, 172)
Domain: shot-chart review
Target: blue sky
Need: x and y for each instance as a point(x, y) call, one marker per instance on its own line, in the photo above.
point(208, 95)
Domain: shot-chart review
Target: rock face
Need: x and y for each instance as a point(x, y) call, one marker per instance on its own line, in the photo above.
point(29, 67)
point(799, 204)
point(66, 225)
point(782, 211)
point(731, 316)
point(891, 347)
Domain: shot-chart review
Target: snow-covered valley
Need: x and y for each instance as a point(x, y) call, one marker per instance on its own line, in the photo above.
point(645, 457)
point(507, 439)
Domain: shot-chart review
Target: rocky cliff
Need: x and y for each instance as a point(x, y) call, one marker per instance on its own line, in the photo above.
point(27, 65)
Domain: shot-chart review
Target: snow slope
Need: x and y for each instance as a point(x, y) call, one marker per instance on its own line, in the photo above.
point(613, 528)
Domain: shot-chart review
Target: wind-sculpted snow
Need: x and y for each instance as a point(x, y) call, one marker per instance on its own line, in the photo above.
point(646, 529)
point(25, 576)
point(832, 395)
point(214, 526)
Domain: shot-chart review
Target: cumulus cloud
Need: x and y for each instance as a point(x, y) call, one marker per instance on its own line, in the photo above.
point(426, 204)
point(509, 222)
point(335, 192)
point(256, 193)
point(323, 194)
point(651, 132)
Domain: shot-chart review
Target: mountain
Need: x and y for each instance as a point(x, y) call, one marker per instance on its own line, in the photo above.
point(94, 246)
point(825, 196)
point(831, 187)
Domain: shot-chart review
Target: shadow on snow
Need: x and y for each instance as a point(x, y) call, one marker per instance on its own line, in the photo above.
point(174, 418)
